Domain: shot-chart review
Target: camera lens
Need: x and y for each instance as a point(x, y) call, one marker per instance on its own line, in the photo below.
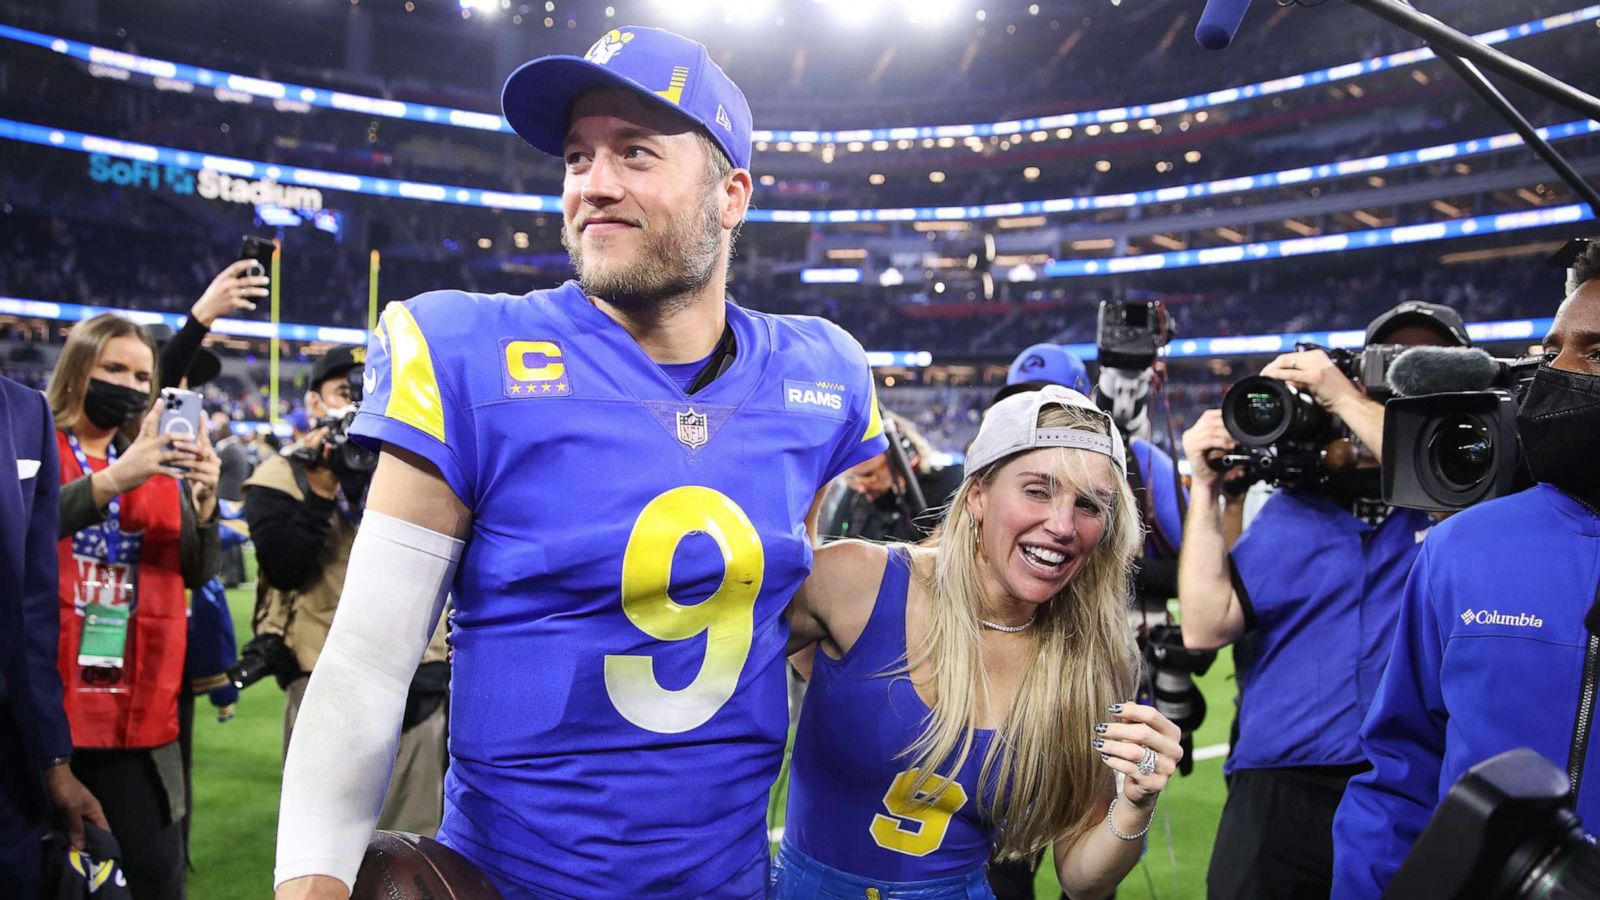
point(1461, 451)
point(1261, 412)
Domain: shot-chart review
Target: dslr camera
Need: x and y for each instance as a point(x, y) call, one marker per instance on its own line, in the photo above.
point(343, 455)
point(1450, 436)
point(1129, 334)
point(1284, 434)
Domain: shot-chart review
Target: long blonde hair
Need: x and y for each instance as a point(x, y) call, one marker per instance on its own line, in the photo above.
point(1045, 776)
point(85, 342)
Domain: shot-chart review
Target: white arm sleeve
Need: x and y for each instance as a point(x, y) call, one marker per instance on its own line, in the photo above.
point(348, 729)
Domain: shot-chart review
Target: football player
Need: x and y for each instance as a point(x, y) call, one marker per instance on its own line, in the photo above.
point(615, 478)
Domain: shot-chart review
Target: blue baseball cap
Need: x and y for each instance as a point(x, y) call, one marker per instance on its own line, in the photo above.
point(658, 65)
point(1048, 364)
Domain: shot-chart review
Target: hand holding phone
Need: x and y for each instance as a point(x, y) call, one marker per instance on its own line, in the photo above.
point(259, 251)
point(181, 419)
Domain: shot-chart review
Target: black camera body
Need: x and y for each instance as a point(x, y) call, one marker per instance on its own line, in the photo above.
point(266, 654)
point(1129, 334)
point(344, 456)
point(1446, 450)
point(1507, 829)
point(1286, 437)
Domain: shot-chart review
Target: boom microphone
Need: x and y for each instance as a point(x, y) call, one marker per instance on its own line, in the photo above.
point(1437, 370)
point(1219, 22)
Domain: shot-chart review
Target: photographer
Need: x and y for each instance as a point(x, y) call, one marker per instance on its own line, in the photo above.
point(1317, 578)
point(874, 501)
point(303, 508)
point(1498, 640)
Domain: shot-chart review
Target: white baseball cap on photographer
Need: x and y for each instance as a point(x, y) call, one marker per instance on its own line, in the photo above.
point(1012, 426)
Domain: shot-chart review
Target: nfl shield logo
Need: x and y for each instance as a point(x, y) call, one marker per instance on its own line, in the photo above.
point(692, 429)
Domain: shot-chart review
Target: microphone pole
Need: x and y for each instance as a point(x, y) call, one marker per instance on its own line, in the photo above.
point(1437, 35)
point(1491, 95)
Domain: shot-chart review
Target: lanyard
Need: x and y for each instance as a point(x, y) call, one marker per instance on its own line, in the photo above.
point(111, 531)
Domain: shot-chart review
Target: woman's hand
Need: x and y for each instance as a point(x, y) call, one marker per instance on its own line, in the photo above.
point(1140, 734)
point(202, 476)
point(149, 454)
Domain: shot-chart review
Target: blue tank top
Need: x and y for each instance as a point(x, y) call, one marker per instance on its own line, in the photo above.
point(849, 789)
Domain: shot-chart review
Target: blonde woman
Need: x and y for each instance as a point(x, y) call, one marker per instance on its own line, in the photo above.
point(979, 702)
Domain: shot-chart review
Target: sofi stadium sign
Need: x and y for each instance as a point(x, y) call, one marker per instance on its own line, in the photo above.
point(207, 183)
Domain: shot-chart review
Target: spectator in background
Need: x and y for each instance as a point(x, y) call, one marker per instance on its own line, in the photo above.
point(236, 464)
point(135, 530)
point(872, 500)
point(35, 743)
point(230, 291)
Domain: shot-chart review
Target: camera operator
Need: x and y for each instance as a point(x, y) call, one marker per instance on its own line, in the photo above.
point(1498, 640)
point(874, 502)
point(303, 508)
point(1316, 577)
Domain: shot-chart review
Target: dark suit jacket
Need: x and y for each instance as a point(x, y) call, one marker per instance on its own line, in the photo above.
point(30, 625)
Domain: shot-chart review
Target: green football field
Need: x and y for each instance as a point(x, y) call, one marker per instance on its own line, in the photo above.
point(237, 765)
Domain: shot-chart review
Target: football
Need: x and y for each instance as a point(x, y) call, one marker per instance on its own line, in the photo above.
point(402, 866)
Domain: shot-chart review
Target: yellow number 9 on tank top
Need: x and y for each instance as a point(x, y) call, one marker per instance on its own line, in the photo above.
point(727, 617)
point(928, 821)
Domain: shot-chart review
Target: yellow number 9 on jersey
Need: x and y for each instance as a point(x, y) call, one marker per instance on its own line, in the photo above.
point(931, 819)
point(727, 617)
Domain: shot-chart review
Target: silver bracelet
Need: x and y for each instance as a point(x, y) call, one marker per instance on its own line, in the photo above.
point(1111, 810)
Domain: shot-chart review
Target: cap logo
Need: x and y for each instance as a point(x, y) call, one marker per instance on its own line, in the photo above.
point(1035, 361)
point(608, 46)
point(674, 92)
point(359, 354)
point(722, 118)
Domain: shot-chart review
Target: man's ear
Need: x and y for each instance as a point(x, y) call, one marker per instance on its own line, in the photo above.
point(736, 197)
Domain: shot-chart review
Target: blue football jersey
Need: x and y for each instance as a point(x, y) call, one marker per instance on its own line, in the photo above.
point(855, 803)
point(617, 701)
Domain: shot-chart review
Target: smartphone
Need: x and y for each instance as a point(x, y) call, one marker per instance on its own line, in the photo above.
point(259, 251)
point(180, 416)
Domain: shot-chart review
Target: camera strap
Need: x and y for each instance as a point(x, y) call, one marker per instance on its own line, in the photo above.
point(720, 361)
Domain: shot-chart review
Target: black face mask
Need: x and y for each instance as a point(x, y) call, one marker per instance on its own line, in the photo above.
point(1559, 424)
point(110, 405)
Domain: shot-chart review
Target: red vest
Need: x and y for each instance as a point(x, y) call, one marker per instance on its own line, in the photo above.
point(142, 709)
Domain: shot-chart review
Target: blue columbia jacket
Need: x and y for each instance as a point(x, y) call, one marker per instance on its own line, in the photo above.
point(1488, 656)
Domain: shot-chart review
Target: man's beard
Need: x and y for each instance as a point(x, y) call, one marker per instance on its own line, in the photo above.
point(675, 259)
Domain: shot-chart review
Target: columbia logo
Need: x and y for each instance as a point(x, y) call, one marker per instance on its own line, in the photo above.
point(722, 118)
point(1496, 617)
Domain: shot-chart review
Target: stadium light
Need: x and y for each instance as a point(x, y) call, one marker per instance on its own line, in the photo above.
point(481, 7)
point(1022, 273)
point(891, 277)
point(854, 12)
point(683, 10)
point(930, 12)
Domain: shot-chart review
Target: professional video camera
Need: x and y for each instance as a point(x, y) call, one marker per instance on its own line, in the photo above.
point(1450, 436)
point(344, 455)
point(1130, 333)
point(1285, 435)
point(1506, 831)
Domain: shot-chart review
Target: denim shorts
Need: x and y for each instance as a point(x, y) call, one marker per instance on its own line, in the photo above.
point(796, 876)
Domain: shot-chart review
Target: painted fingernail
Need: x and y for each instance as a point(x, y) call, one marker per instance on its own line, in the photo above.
point(1100, 728)
point(1097, 743)
point(1114, 708)
point(1104, 758)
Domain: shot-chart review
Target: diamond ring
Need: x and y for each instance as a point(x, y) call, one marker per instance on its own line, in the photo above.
point(1147, 765)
